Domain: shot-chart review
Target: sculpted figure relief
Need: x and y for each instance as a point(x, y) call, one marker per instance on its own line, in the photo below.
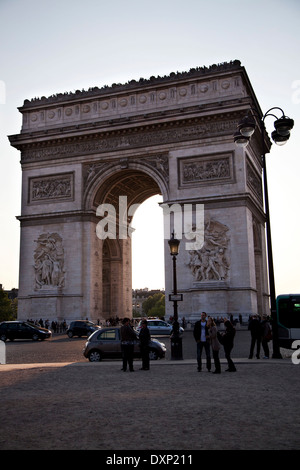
point(207, 170)
point(49, 261)
point(51, 188)
point(211, 263)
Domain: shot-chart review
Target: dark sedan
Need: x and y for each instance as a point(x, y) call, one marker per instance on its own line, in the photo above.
point(106, 344)
point(22, 330)
point(81, 328)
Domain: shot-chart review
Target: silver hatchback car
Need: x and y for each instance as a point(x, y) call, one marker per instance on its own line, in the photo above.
point(106, 344)
point(158, 327)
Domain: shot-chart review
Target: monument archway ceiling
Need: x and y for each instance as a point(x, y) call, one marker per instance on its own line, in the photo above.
point(136, 185)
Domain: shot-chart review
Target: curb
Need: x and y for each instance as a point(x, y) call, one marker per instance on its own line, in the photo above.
point(106, 363)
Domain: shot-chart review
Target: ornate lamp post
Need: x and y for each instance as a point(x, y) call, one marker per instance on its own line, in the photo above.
point(280, 136)
point(176, 339)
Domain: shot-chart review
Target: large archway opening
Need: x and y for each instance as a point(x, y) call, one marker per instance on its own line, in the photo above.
point(148, 246)
point(143, 221)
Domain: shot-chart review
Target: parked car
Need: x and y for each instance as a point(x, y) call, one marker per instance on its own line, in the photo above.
point(81, 328)
point(22, 330)
point(106, 344)
point(158, 327)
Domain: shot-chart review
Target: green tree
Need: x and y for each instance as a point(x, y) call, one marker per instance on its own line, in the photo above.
point(154, 306)
point(6, 310)
point(14, 307)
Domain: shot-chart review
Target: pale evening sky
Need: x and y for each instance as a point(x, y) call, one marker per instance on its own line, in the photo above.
point(53, 46)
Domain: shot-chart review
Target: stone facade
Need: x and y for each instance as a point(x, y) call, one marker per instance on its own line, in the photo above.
point(166, 135)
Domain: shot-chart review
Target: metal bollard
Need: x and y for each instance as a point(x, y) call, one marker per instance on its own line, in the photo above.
point(2, 352)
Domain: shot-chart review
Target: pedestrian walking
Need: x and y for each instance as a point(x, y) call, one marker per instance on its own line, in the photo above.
point(255, 329)
point(227, 339)
point(202, 339)
point(128, 338)
point(144, 338)
point(215, 345)
point(266, 335)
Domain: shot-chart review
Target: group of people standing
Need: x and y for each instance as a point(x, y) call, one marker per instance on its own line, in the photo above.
point(261, 334)
point(205, 334)
point(209, 338)
point(128, 339)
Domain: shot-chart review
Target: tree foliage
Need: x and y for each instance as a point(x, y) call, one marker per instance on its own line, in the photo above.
point(154, 306)
point(6, 308)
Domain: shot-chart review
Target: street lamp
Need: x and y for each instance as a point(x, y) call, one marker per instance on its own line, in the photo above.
point(280, 136)
point(176, 339)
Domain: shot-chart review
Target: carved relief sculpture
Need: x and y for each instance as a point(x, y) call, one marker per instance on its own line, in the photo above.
point(254, 181)
point(51, 187)
point(211, 262)
point(206, 171)
point(49, 261)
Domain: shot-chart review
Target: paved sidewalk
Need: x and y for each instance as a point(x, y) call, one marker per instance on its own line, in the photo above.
point(171, 407)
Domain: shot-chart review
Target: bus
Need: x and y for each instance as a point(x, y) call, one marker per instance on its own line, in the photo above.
point(288, 319)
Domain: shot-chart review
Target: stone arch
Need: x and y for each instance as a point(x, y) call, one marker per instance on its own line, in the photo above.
point(116, 275)
point(98, 187)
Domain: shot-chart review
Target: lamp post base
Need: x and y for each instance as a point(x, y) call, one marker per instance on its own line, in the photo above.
point(176, 347)
point(276, 355)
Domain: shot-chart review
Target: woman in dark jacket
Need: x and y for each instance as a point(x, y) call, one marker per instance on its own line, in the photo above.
point(227, 341)
point(144, 338)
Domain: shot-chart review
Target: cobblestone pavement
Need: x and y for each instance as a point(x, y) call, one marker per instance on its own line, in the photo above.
point(171, 407)
point(53, 398)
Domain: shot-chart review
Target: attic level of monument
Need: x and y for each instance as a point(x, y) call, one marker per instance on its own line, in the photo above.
point(203, 92)
point(133, 84)
point(167, 135)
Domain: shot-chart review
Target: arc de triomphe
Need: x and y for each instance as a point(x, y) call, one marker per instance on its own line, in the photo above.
point(168, 135)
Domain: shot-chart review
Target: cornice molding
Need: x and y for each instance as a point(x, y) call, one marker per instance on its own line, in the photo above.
point(127, 138)
point(57, 217)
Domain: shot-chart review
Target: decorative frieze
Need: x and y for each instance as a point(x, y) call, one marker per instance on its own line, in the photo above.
point(205, 169)
point(110, 106)
point(109, 142)
point(51, 188)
